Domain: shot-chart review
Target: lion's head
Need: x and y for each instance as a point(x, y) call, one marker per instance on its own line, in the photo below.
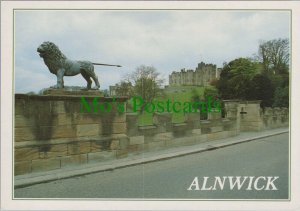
point(52, 56)
point(49, 49)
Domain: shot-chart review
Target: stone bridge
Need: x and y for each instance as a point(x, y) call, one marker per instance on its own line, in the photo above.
point(51, 132)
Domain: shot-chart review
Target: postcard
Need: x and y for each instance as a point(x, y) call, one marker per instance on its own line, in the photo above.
point(149, 105)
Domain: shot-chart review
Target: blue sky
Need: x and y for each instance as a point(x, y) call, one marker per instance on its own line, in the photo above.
point(167, 40)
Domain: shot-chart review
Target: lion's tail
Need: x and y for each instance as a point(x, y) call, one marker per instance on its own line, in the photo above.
point(106, 64)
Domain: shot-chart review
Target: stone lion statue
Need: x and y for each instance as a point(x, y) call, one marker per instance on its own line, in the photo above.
point(61, 66)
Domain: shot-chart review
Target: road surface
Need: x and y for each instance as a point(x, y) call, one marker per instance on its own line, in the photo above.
point(170, 179)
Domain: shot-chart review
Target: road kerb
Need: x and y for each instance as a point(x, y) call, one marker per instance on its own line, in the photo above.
point(56, 175)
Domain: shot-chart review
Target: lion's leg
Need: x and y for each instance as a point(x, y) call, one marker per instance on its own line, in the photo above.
point(60, 80)
point(92, 74)
point(95, 78)
point(88, 80)
point(87, 71)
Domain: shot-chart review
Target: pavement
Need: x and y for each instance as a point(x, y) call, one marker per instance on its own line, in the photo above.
point(170, 179)
point(145, 157)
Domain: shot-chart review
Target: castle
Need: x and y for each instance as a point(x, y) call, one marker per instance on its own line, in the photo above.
point(202, 76)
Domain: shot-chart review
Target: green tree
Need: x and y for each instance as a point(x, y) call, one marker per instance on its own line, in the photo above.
point(261, 88)
point(266, 78)
point(281, 97)
point(236, 77)
point(211, 92)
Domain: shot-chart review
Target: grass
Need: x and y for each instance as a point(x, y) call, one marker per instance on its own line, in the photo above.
point(145, 119)
point(180, 94)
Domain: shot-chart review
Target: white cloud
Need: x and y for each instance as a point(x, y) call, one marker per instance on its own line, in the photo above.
point(168, 40)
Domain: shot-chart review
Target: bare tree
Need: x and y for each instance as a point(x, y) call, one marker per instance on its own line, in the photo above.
point(147, 83)
point(274, 55)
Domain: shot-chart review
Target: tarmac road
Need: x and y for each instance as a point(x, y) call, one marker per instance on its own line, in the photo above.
point(170, 179)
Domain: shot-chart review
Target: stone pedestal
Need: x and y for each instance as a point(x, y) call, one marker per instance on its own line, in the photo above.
point(72, 91)
point(214, 115)
point(193, 120)
point(250, 116)
point(132, 124)
point(53, 132)
point(232, 112)
point(163, 121)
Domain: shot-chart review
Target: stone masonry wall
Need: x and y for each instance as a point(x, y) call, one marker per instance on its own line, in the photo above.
point(275, 117)
point(51, 133)
point(164, 134)
point(254, 118)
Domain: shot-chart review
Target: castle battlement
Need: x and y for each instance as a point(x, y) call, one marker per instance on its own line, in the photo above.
point(201, 76)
